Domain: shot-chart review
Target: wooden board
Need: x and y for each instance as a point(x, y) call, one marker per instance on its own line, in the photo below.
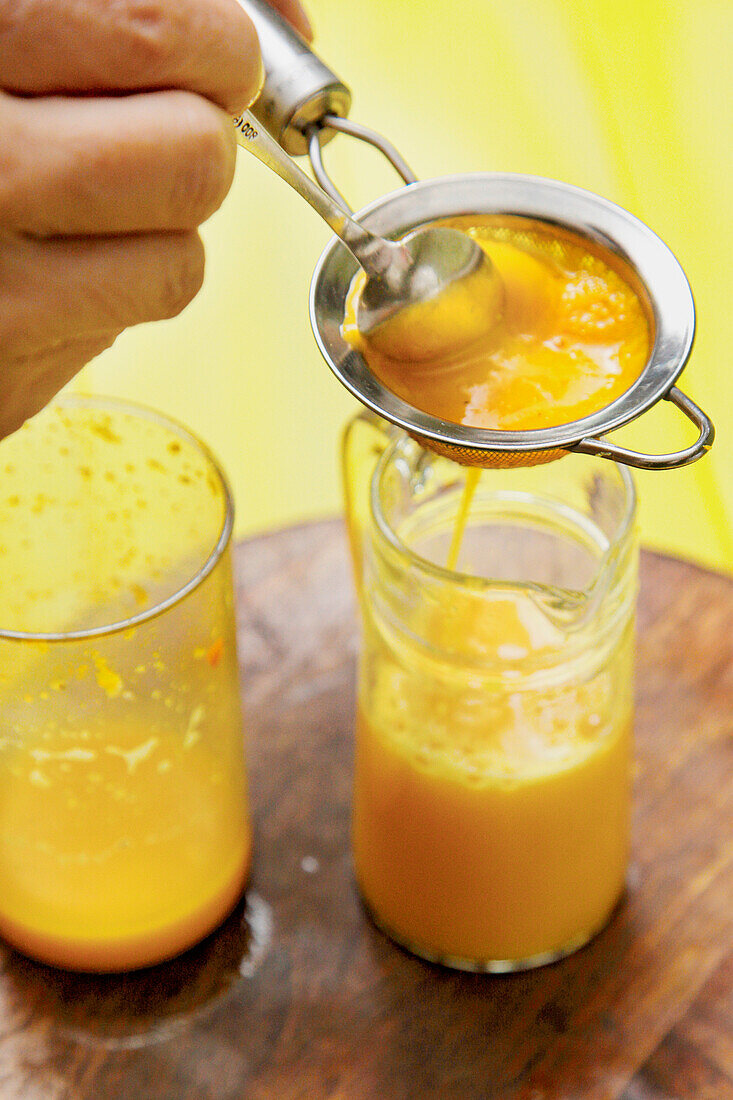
point(300, 998)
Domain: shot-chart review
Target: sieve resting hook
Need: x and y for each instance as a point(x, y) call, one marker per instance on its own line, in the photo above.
point(361, 133)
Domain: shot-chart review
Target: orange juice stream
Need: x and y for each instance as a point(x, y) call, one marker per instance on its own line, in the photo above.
point(473, 474)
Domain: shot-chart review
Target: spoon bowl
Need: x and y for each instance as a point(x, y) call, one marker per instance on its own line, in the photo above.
point(448, 297)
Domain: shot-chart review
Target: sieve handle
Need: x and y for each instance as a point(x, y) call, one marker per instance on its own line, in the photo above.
point(702, 444)
point(299, 89)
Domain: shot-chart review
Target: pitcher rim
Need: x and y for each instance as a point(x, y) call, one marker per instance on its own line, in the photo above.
point(482, 584)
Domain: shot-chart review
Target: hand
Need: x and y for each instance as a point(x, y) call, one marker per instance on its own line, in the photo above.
point(116, 143)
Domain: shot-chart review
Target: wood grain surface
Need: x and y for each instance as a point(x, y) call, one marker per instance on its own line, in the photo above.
point(299, 997)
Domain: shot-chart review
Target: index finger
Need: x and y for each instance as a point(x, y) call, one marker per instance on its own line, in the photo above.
point(85, 46)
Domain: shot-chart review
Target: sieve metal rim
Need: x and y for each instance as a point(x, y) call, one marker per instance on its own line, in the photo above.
point(555, 203)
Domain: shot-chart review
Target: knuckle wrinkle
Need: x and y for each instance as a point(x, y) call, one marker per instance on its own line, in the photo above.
point(184, 276)
point(150, 34)
point(205, 174)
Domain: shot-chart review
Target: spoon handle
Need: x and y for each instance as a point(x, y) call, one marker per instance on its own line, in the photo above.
point(300, 89)
point(373, 253)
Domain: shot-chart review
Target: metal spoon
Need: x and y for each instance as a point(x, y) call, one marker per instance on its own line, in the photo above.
point(404, 278)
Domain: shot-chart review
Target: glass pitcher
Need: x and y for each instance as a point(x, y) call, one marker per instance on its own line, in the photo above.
point(493, 728)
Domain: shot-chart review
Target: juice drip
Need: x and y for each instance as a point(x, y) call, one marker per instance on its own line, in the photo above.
point(473, 476)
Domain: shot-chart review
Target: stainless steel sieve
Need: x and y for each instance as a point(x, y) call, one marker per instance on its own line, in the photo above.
point(303, 104)
point(645, 261)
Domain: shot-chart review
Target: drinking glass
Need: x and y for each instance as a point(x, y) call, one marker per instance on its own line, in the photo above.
point(124, 827)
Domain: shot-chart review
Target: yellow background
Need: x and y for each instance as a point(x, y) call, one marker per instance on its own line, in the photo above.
point(628, 99)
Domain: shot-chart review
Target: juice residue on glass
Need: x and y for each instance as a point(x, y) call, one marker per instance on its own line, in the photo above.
point(571, 336)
